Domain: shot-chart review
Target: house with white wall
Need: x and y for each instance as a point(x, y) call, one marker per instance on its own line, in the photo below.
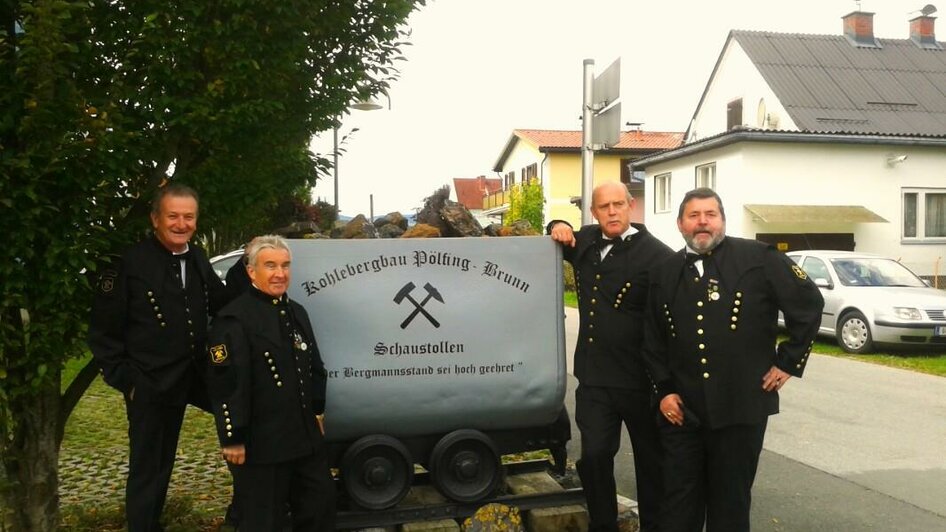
point(819, 141)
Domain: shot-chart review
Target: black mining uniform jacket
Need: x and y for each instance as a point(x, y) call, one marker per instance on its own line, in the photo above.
point(267, 380)
point(712, 339)
point(612, 297)
point(147, 332)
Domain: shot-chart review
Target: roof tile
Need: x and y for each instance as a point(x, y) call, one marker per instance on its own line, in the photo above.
point(544, 139)
point(470, 192)
point(826, 84)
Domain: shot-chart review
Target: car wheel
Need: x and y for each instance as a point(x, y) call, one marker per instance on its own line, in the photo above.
point(853, 333)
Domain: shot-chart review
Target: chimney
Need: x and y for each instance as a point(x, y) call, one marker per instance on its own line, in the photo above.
point(859, 29)
point(921, 33)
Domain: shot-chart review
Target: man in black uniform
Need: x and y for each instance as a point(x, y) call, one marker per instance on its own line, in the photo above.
point(237, 279)
point(711, 349)
point(611, 261)
point(267, 386)
point(148, 333)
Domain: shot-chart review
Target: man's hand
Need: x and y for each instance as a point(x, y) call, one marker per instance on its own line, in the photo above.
point(563, 233)
point(235, 454)
point(774, 379)
point(671, 407)
point(320, 419)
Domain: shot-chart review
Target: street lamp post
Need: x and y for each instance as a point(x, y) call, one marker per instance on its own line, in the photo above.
point(335, 165)
point(363, 105)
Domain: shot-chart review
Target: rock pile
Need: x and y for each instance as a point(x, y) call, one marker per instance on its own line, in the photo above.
point(440, 217)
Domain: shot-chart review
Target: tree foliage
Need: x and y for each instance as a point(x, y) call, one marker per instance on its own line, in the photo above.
point(101, 102)
point(526, 202)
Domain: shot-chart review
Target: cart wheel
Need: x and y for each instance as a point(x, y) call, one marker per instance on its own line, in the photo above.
point(465, 466)
point(377, 471)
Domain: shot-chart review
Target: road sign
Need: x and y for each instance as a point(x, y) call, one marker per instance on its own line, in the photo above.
point(606, 128)
point(607, 86)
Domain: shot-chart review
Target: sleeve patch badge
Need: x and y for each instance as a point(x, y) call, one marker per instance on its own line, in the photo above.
point(107, 281)
point(800, 273)
point(218, 354)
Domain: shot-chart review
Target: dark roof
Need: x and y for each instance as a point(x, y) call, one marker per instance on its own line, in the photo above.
point(828, 85)
point(744, 134)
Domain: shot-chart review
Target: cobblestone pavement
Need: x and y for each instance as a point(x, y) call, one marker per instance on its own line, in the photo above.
point(93, 461)
point(93, 465)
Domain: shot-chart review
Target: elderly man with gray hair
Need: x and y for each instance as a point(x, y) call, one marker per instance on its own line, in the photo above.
point(267, 386)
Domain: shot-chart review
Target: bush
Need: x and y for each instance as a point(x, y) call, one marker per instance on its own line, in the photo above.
point(568, 277)
point(525, 203)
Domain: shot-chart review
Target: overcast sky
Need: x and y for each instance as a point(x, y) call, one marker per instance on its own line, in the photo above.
point(477, 69)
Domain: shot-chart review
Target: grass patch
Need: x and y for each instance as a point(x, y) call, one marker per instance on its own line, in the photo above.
point(72, 368)
point(929, 362)
point(571, 299)
point(932, 363)
point(181, 514)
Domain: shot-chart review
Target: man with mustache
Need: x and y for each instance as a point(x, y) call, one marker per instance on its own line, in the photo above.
point(148, 334)
point(611, 260)
point(713, 353)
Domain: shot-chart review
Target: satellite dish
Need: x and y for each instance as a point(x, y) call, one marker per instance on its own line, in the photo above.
point(928, 9)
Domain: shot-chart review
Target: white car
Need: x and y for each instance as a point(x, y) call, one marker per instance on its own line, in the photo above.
point(222, 263)
point(870, 299)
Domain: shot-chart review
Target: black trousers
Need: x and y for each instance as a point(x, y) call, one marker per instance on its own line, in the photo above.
point(599, 413)
point(708, 475)
point(304, 484)
point(153, 430)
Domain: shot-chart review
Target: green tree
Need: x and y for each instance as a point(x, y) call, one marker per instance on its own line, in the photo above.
point(103, 101)
point(526, 202)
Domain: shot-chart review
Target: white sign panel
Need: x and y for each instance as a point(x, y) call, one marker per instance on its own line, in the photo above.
point(424, 336)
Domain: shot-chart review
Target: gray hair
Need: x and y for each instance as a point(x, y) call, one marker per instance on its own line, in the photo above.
point(265, 242)
point(174, 190)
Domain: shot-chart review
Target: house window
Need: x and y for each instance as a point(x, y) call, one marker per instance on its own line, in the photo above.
point(626, 171)
point(734, 114)
point(530, 172)
point(633, 179)
point(662, 193)
point(924, 214)
point(706, 176)
point(509, 180)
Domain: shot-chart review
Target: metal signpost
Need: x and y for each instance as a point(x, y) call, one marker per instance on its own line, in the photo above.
point(600, 123)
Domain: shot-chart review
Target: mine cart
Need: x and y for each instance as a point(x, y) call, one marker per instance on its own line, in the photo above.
point(446, 352)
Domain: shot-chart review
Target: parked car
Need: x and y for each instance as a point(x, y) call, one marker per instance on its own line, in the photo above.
point(871, 299)
point(222, 263)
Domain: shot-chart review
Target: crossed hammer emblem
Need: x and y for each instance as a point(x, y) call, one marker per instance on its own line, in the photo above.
point(405, 293)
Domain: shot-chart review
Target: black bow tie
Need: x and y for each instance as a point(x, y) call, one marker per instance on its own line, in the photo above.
point(693, 258)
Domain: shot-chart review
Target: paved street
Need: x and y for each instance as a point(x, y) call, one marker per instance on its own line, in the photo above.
point(856, 447)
